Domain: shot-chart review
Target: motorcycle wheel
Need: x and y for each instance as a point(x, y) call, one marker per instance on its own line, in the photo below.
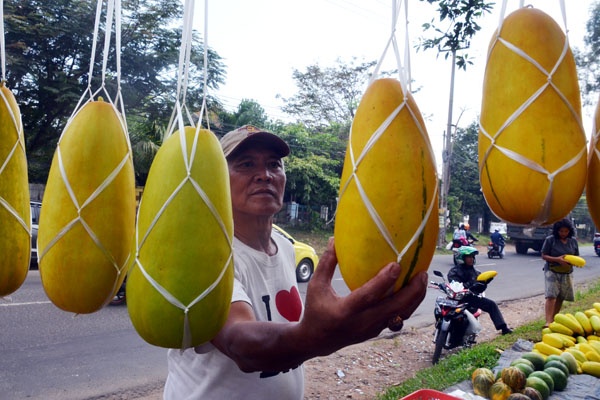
point(490, 255)
point(440, 341)
point(118, 299)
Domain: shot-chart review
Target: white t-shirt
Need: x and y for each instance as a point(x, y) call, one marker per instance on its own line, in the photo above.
point(268, 284)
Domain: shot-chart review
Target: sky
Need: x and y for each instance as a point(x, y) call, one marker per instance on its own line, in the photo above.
point(263, 41)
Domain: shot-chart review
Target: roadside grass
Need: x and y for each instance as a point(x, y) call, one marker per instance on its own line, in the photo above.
point(459, 366)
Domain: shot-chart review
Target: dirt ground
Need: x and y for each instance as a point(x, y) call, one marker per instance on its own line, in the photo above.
point(361, 371)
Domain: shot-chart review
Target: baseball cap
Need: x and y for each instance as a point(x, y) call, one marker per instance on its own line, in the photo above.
point(249, 134)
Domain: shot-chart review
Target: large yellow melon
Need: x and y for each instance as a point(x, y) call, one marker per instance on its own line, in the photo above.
point(87, 220)
point(179, 290)
point(592, 189)
point(388, 200)
point(15, 219)
point(534, 169)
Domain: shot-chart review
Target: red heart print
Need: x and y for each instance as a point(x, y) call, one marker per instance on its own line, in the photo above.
point(289, 304)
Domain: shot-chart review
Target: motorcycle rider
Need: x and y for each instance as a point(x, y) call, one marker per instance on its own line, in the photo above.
point(469, 235)
point(498, 240)
point(459, 238)
point(466, 274)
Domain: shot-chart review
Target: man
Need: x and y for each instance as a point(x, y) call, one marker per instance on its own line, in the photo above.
point(498, 240)
point(269, 333)
point(466, 274)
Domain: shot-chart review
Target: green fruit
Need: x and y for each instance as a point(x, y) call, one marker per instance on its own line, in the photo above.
point(546, 377)
point(536, 359)
point(557, 364)
point(523, 361)
point(532, 393)
point(526, 368)
point(540, 385)
point(559, 378)
point(571, 361)
point(554, 357)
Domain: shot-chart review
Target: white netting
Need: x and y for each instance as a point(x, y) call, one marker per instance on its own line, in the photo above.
point(177, 121)
point(404, 78)
point(113, 11)
point(548, 85)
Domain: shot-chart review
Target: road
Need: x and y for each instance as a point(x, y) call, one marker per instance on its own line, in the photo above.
point(46, 353)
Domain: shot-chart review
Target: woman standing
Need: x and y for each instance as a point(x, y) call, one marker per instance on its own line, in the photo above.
point(557, 271)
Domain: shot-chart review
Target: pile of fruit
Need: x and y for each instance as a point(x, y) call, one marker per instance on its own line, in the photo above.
point(576, 334)
point(570, 345)
point(529, 377)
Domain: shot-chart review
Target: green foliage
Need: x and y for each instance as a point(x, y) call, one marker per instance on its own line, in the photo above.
point(447, 372)
point(48, 49)
point(587, 59)
point(465, 196)
point(313, 167)
point(328, 95)
point(461, 16)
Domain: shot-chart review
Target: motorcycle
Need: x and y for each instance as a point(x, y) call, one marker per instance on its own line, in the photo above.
point(120, 295)
point(494, 251)
point(457, 323)
point(597, 243)
point(456, 246)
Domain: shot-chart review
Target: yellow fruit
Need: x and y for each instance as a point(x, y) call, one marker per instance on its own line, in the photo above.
point(184, 260)
point(596, 305)
point(578, 354)
point(595, 321)
point(568, 340)
point(585, 322)
point(546, 349)
point(585, 348)
point(560, 328)
point(592, 188)
point(15, 219)
point(87, 219)
point(591, 311)
point(592, 338)
point(397, 218)
point(570, 322)
point(552, 340)
point(591, 368)
point(522, 145)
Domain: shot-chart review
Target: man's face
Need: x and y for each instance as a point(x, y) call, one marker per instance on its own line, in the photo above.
point(468, 260)
point(257, 180)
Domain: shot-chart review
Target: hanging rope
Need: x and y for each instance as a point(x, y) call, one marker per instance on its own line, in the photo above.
point(113, 11)
point(177, 120)
point(404, 76)
point(17, 123)
point(548, 85)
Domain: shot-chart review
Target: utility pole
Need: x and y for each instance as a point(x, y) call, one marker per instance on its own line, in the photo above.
point(446, 155)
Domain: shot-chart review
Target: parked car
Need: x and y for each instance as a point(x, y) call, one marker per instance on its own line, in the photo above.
point(35, 220)
point(597, 243)
point(306, 256)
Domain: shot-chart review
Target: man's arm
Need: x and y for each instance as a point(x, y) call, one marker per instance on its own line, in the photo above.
point(329, 323)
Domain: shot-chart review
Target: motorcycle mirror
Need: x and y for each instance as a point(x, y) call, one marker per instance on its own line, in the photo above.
point(438, 273)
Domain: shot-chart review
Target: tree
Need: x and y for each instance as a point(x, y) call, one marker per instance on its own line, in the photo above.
point(453, 41)
point(588, 61)
point(314, 166)
point(465, 193)
point(328, 95)
point(48, 47)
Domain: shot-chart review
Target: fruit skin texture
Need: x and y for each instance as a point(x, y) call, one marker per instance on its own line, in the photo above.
point(548, 132)
point(514, 378)
point(592, 188)
point(80, 274)
point(15, 239)
point(482, 380)
point(186, 250)
point(532, 393)
point(500, 391)
point(399, 177)
point(539, 385)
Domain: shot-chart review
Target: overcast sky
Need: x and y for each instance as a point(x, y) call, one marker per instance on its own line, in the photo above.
point(263, 41)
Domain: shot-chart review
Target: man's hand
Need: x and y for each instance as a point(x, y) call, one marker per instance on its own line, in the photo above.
point(331, 322)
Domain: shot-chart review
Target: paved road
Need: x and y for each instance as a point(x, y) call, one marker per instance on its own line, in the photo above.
point(46, 353)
